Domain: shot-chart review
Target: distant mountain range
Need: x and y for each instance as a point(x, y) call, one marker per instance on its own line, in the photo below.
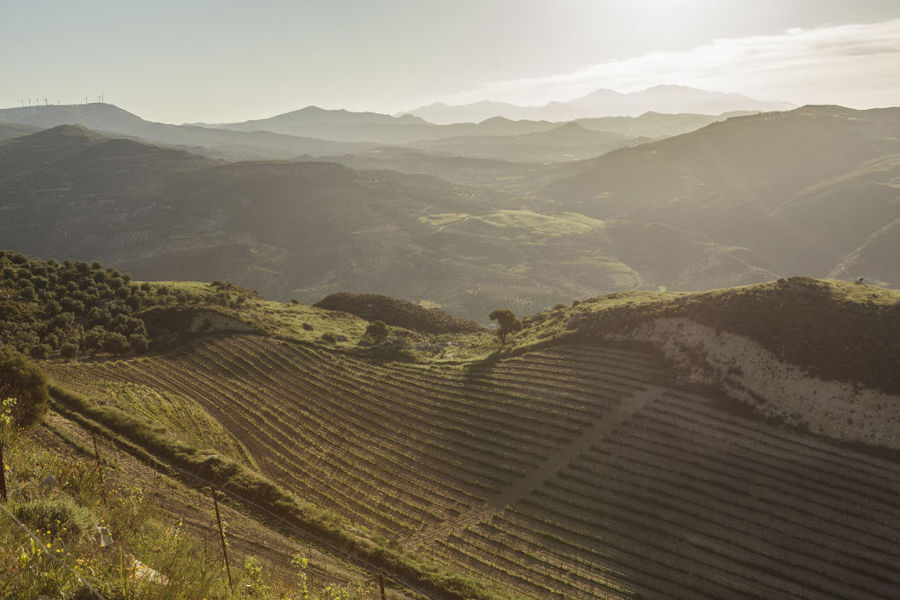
point(219, 143)
point(811, 191)
point(603, 103)
point(314, 132)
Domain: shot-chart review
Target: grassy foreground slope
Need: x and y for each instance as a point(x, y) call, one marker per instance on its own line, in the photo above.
point(155, 520)
point(565, 464)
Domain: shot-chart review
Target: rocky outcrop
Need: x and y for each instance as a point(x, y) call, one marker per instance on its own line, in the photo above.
point(748, 372)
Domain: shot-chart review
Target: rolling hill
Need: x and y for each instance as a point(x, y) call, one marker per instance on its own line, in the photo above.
point(566, 142)
point(735, 443)
point(581, 459)
point(745, 200)
point(803, 188)
point(315, 132)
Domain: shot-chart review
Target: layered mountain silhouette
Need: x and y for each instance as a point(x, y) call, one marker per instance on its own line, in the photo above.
point(602, 103)
point(220, 143)
point(314, 132)
point(748, 199)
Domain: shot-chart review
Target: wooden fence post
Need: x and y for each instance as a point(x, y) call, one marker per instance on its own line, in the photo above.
point(99, 468)
point(381, 585)
point(222, 537)
point(2, 473)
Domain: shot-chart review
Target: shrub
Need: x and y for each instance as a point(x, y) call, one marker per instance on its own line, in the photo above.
point(21, 379)
point(378, 331)
point(52, 340)
point(40, 351)
point(94, 339)
point(59, 515)
point(139, 343)
point(116, 343)
point(68, 350)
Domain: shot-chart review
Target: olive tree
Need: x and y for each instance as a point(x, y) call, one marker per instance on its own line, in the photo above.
point(507, 321)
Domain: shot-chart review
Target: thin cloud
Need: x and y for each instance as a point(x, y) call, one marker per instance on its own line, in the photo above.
point(853, 64)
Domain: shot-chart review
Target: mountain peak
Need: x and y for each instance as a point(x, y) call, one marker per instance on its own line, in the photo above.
point(604, 102)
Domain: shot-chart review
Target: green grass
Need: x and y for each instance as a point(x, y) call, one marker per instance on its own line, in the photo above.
point(541, 225)
point(65, 519)
point(184, 420)
point(285, 320)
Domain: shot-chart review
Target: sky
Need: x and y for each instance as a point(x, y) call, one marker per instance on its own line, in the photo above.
point(224, 60)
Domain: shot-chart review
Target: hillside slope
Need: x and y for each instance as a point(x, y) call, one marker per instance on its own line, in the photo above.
point(802, 188)
point(736, 443)
point(560, 471)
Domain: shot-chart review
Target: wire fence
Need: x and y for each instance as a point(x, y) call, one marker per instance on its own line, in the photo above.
point(337, 550)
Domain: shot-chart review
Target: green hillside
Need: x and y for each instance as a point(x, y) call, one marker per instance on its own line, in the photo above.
point(562, 462)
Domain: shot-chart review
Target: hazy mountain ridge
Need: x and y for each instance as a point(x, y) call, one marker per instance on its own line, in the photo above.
point(802, 187)
point(603, 103)
point(112, 120)
point(305, 230)
point(317, 132)
point(745, 200)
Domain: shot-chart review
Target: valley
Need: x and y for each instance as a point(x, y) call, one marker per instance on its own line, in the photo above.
point(700, 210)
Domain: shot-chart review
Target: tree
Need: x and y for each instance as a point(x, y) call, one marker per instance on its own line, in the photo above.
point(138, 342)
point(507, 321)
point(117, 344)
point(378, 331)
point(22, 380)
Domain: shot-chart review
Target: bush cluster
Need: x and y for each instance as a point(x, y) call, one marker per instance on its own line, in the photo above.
point(74, 308)
point(397, 313)
point(69, 307)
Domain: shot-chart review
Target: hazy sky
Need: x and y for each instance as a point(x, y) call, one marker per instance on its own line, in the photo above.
point(223, 60)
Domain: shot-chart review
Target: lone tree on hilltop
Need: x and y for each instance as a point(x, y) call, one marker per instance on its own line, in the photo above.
point(507, 321)
point(22, 380)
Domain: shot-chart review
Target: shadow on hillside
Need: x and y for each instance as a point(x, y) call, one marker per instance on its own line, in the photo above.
point(479, 373)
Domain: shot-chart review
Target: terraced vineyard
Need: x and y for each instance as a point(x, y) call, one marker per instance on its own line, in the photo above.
point(570, 472)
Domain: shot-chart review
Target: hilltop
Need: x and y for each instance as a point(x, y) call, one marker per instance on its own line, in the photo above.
point(393, 311)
